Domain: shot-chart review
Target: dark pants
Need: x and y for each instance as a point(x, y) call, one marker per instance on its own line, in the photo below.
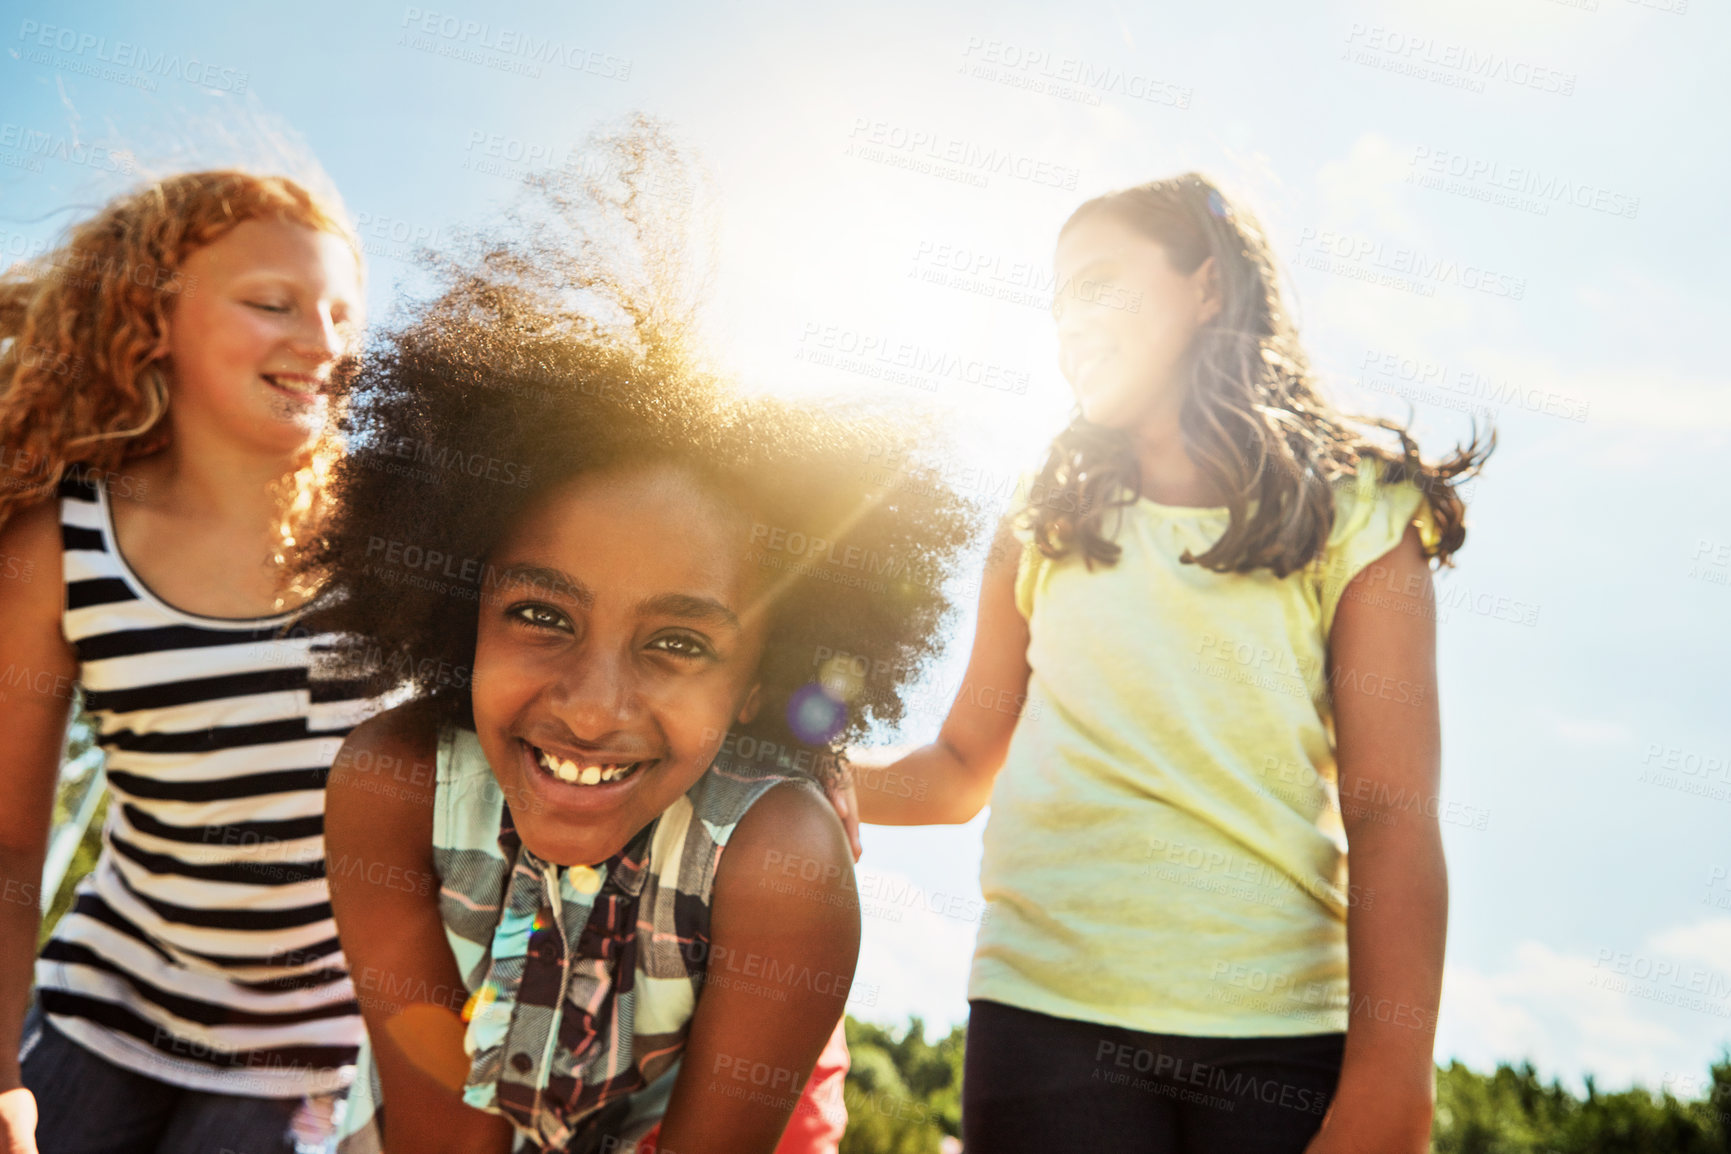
point(1035, 1084)
point(88, 1105)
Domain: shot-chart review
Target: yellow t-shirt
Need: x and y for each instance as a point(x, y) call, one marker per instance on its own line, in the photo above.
point(1165, 849)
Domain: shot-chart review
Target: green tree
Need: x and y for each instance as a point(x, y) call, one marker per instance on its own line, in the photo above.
point(904, 1097)
point(903, 1094)
point(80, 746)
point(1512, 1111)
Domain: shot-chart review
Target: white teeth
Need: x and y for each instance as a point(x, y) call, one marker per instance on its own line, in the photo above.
point(570, 771)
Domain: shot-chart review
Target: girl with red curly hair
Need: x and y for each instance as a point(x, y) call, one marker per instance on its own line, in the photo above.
point(164, 382)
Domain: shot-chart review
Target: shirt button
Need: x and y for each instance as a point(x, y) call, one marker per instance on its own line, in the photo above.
point(584, 879)
point(521, 1063)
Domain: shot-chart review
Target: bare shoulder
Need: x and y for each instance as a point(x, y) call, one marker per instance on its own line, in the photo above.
point(791, 815)
point(387, 765)
point(30, 569)
point(35, 529)
point(1393, 595)
point(788, 848)
point(379, 813)
point(407, 729)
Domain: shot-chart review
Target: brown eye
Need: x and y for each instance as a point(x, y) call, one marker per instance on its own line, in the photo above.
point(681, 645)
point(539, 617)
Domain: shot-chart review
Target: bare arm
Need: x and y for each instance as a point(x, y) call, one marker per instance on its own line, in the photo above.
point(784, 940)
point(1383, 669)
point(949, 781)
point(378, 843)
point(37, 673)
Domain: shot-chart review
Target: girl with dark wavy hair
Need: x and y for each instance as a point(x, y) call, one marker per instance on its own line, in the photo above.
point(164, 377)
point(1215, 619)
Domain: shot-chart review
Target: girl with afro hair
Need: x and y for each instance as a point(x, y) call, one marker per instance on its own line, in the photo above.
point(608, 589)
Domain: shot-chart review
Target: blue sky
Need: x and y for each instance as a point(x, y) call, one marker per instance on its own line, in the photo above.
point(1494, 203)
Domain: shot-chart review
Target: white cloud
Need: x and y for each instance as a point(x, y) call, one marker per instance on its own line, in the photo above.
point(913, 961)
point(1657, 1015)
point(1359, 207)
point(1624, 396)
point(1362, 190)
point(1706, 942)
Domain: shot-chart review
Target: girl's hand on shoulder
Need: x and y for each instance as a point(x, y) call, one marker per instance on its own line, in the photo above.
point(841, 795)
point(784, 940)
point(948, 781)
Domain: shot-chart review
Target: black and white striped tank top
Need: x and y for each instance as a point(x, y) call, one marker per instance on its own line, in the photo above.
point(201, 951)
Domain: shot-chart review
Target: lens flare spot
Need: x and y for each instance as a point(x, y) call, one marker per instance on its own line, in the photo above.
point(842, 677)
point(815, 716)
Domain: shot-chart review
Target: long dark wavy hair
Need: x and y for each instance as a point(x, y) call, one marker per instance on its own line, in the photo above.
point(1253, 419)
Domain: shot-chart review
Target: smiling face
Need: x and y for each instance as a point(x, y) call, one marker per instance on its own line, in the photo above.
point(618, 642)
point(1126, 320)
point(251, 346)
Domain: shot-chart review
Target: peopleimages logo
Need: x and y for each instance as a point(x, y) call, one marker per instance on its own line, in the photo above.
point(1456, 65)
point(463, 36)
point(35, 145)
point(879, 139)
point(1067, 76)
point(124, 54)
point(840, 347)
point(1465, 390)
point(1482, 177)
point(1366, 259)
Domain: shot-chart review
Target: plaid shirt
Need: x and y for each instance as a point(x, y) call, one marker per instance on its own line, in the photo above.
point(585, 978)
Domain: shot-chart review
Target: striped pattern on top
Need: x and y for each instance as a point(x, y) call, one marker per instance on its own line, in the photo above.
point(201, 951)
point(637, 939)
